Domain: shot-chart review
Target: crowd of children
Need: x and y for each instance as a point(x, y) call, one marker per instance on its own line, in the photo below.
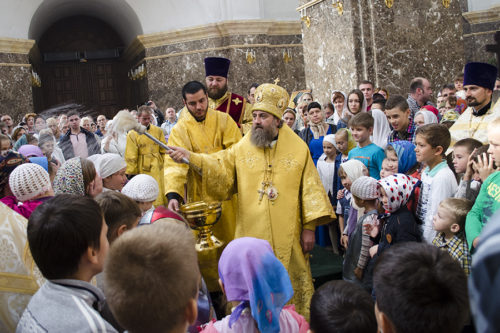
point(411, 203)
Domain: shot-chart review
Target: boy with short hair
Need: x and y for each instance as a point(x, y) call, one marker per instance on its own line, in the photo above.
point(342, 307)
point(398, 114)
point(459, 85)
point(487, 202)
point(152, 278)
point(449, 221)
point(461, 152)
point(438, 181)
point(67, 238)
point(419, 289)
point(120, 213)
point(370, 154)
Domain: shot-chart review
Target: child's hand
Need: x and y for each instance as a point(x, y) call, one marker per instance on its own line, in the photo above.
point(344, 240)
point(484, 166)
point(373, 250)
point(358, 272)
point(469, 172)
point(340, 194)
point(371, 230)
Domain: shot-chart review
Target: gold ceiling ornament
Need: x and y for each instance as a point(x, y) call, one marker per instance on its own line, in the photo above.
point(446, 3)
point(339, 5)
point(287, 56)
point(250, 57)
point(304, 18)
point(389, 3)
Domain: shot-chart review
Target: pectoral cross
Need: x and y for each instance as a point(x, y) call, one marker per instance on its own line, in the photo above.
point(262, 191)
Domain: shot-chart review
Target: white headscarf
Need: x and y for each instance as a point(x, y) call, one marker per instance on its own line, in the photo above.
point(381, 128)
point(109, 164)
point(353, 169)
point(429, 117)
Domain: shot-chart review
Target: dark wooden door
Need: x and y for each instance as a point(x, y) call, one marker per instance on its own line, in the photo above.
point(97, 85)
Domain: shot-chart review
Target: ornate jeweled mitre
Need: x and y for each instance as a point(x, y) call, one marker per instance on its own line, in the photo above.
point(271, 98)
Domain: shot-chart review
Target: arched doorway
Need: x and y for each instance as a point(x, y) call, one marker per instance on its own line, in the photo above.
point(80, 63)
point(79, 54)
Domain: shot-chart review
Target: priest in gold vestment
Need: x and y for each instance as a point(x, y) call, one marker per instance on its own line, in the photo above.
point(143, 155)
point(201, 130)
point(280, 195)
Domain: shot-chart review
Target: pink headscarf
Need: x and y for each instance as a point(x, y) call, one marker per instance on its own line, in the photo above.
point(398, 188)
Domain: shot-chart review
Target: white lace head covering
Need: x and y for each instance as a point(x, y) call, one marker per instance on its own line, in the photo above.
point(142, 188)
point(29, 180)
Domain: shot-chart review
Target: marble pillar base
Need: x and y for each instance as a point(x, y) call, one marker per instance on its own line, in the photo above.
point(16, 96)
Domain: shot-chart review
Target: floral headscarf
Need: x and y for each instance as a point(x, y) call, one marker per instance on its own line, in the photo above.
point(253, 275)
point(398, 188)
point(69, 178)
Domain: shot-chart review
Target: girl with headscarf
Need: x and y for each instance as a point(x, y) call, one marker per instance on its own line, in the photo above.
point(258, 287)
point(327, 166)
point(398, 223)
point(318, 128)
point(111, 168)
point(424, 117)
point(401, 154)
point(381, 128)
point(344, 142)
point(346, 211)
point(78, 176)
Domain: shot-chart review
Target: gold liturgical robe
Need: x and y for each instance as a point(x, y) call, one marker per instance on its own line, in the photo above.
point(19, 276)
point(301, 201)
point(218, 131)
point(143, 155)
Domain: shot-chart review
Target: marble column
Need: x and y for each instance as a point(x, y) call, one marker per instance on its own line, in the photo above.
point(176, 57)
point(16, 97)
point(479, 30)
point(388, 46)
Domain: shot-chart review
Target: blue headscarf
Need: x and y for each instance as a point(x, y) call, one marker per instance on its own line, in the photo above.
point(405, 150)
point(253, 275)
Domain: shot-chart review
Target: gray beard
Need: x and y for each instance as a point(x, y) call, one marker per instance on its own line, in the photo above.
point(261, 137)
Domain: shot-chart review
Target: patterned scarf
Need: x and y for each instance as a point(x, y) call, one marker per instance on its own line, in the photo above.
point(398, 188)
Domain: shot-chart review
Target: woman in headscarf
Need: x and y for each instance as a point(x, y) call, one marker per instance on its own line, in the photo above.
point(257, 285)
point(318, 128)
point(341, 114)
point(424, 117)
point(111, 168)
point(78, 176)
point(381, 128)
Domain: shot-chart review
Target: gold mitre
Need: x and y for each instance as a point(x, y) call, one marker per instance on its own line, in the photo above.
point(271, 98)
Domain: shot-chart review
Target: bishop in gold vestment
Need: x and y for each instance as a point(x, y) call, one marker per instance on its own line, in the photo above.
point(280, 194)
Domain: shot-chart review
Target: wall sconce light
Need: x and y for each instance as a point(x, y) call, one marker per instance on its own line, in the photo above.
point(287, 56)
point(389, 3)
point(339, 5)
point(250, 57)
point(446, 3)
point(138, 73)
point(35, 79)
point(304, 18)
